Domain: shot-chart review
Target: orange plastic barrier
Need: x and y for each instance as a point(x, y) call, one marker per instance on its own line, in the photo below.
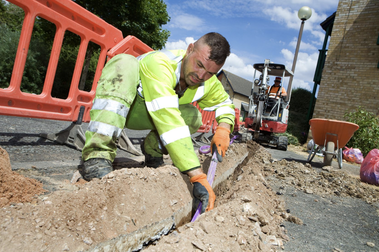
point(129, 45)
point(66, 15)
point(208, 117)
point(209, 120)
point(237, 123)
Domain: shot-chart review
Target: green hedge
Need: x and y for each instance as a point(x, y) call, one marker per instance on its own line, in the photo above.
point(366, 137)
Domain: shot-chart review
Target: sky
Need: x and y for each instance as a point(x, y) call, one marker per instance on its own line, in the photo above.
point(256, 30)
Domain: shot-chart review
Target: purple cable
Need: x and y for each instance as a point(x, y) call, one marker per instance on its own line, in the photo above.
point(210, 178)
point(211, 172)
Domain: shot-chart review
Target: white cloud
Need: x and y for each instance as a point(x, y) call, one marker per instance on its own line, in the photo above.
point(288, 17)
point(237, 66)
point(304, 69)
point(283, 16)
point(187, 22)
point(303, 46)
point(179, 44)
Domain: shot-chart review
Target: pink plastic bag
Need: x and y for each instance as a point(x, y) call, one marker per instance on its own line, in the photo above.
point(353, 155)
point(370, 168)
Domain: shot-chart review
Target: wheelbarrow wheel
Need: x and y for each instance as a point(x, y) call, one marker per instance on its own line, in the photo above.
point(328, 156)
point(339, 158)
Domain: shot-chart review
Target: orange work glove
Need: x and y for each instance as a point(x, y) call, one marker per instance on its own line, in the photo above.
point(221, 139)
point(203, 191)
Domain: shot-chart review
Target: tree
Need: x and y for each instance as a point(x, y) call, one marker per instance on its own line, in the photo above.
point(11, 15)
point(140, 18)
point(11, 18)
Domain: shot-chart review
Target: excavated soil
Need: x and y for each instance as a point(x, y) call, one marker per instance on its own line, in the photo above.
point(248, 216)
point(15, 188)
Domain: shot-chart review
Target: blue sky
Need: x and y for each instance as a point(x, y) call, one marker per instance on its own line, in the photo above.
point(256, 30)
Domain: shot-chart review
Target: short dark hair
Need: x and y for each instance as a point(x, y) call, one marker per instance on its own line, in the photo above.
point(220, 48)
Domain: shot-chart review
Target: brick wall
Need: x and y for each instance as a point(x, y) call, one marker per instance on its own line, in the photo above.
point(351, 77)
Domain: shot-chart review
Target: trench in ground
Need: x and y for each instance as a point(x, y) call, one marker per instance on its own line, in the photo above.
point(220, 189)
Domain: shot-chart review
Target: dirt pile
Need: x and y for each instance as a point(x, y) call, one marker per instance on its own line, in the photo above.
point(15, 188)
point(126, 200)
point(247, 216)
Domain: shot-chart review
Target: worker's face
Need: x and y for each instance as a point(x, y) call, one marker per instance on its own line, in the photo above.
point(276, 83)
point(196, 66)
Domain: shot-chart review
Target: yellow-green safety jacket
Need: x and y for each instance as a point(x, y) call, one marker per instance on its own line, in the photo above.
point(159, 74)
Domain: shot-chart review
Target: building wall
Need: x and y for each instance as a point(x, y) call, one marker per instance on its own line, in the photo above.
point(350, 76)
point(236, 98)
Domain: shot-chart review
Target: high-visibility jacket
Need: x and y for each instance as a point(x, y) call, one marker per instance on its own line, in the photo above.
point(153, 80)
point(159, 74)
point(275, 93)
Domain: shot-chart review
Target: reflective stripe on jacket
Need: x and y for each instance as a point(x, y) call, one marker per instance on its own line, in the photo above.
point(273, 92)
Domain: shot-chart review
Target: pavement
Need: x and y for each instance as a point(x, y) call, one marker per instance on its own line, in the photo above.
point(49, 161)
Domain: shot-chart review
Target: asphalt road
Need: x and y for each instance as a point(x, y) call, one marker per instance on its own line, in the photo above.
point(330, 224)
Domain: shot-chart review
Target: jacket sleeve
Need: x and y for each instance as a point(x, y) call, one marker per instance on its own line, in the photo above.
point(158, 80)
point(284, 91)
point(216, 99)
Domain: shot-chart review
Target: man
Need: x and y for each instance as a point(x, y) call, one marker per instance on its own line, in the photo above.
point(276, 91)
point(155, 91)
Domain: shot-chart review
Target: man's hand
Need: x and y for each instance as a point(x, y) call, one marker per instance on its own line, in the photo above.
point(203, 192)
point(221, 139)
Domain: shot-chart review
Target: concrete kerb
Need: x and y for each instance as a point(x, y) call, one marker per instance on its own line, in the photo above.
point(136, 240)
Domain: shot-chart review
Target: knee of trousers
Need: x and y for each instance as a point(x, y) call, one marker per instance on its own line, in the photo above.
point(119, 78)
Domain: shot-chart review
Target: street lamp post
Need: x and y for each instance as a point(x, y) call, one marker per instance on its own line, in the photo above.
point(304, 14)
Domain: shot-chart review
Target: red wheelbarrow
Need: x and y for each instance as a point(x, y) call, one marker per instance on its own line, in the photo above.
point(330, 136)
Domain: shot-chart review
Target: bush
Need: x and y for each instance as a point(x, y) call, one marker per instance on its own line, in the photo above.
point(300, 99)
point(366, 137)
point(292, 140)
point(298, 124)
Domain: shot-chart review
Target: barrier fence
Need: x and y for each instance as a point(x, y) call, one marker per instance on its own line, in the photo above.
point(66, 15)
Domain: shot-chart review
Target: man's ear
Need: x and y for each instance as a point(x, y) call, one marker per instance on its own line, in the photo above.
point(190, 48)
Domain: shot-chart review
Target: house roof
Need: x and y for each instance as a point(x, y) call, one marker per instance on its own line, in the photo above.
point(238, 84)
